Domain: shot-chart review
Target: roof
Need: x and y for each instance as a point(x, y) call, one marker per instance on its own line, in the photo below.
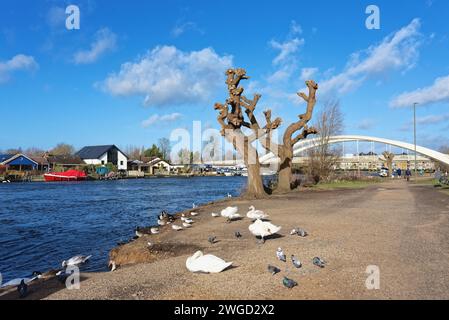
point(4, 157)
point(95, 152)
point(65, 160)
point(20, 159)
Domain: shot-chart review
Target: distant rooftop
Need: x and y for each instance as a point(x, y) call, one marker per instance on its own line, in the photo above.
point(95, 152)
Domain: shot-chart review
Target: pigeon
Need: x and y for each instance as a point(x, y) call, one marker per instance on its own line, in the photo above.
point(176, 227)
point(273, 270)
point(281, 255)
point(212, 239)
point(319, 262)
point(296, 262)
point(215, 215)
point(238, 235)
point(289, 283)
point(76, 260)
point(186, 225)
point(22, 289)
point(300, 232)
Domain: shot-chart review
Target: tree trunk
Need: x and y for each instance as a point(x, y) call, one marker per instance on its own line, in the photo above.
point(255, 188)
point(285, 171)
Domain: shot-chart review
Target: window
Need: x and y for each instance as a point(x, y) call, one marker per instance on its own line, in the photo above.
point(102, 161)
point(121, 163)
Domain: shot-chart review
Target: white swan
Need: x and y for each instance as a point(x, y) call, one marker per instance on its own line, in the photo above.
point(263, 229)
point(229, 211)
point(206, 263)
point(256, 214)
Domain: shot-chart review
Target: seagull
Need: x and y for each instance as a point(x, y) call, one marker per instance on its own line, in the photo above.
point(256, 214)
point(298, 231)
point(15, 282)
point(188, 220)
point(319, 262)
point(186, 225)
point(22, 289)
point(194, 214)
point(273, 270)
point(212, 239)
point(281, 255)
point(76, 260)
point(194, 206)
point(176, 227)
point(215, 215)
point(289, 283)
point(138, 233)
point(229, 195)
point(238, 235)
point(296, 262)
point(154, 230)
point(161, 222)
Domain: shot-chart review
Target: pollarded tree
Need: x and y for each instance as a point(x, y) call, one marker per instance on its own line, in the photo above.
point(232, 119)
point(389, 156)
point(302, 130)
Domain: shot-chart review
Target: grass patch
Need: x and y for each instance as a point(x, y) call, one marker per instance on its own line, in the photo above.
point(346, 184)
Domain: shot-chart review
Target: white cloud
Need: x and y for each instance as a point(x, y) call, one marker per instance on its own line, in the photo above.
point(181, 28)
point(154, 119)
point(398, 51)
point(169, 76)
point(105, 41)
point(19, 62)
point(307, 73)
point(437, 92)
point(287, 49)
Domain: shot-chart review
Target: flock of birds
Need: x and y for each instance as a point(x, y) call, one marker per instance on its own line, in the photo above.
point(198, 262)
point(62, 274)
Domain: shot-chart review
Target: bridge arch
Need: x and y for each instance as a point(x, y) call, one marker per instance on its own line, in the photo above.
point(304, 145)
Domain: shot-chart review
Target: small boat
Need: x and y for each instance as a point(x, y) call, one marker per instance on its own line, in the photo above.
point(70, 175)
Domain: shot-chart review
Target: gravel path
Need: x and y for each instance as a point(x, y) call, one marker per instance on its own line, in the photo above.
point(399, 227)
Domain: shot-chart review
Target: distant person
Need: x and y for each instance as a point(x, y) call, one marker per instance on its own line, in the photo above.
point(399, 172)
point(408, 174)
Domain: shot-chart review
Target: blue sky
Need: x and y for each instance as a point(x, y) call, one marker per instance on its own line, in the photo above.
point(135, 63)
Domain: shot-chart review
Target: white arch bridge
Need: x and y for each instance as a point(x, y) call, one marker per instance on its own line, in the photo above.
point(306, 144)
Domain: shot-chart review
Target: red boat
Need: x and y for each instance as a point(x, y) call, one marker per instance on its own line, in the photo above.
point(70, 175)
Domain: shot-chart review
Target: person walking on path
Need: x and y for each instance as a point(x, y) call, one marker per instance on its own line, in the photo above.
point(408, 174)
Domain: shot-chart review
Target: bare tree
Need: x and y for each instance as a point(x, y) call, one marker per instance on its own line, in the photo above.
point(323, 157)
point(164, 147)
point(63, 149)
point(134, 152)
point(231, 119)
point(388, 158)
point(34, 152)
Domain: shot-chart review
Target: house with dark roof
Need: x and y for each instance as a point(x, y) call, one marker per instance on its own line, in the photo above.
point(98, 155)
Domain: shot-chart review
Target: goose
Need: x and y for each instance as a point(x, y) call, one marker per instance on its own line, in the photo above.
point(186, 225)
point(206, 263)
point(176, 227)
point(215, 215)
point(76, 260)
point(256, 214)
point(154, 230)
point(15, 282)
point(194, 214)
point(263, 229)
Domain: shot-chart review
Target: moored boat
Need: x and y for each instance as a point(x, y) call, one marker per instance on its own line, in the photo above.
point(70, 175)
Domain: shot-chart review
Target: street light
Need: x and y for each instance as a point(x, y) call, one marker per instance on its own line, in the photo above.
point(414, 137)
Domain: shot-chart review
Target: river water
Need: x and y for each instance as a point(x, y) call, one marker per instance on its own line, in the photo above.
point(42, 224)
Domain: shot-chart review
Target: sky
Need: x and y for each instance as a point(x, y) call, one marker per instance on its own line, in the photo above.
point(136, 70)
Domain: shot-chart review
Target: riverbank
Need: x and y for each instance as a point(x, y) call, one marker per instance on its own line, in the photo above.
point(401, 228)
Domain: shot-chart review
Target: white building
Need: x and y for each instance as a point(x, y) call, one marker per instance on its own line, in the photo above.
point(102, 155)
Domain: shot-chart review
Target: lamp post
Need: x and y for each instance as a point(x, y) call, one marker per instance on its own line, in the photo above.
point(414, 138)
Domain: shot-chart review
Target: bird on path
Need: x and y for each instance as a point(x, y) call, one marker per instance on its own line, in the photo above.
point(256, 214)
point(238, 235)
point(281, 255)
point(193, 214)
point(215, 215)
point(296, 262)
point(273, 270)
point(154, 230)
point(212, 239)
point(22, 289)
point(76, 260)
point(186, 225)
point(176, 227)
point(317, 261)
point(289, 283)
point(299, 231)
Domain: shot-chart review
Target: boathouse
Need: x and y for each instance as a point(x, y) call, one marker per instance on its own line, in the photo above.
point(102, 155)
